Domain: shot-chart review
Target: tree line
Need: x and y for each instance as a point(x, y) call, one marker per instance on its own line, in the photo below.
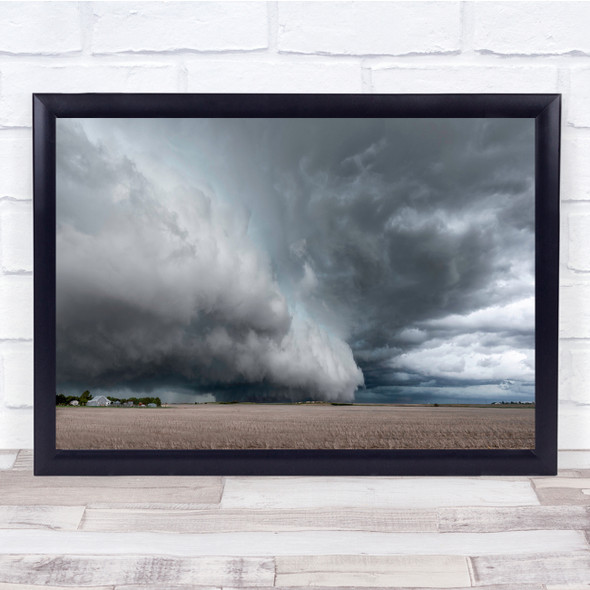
point(84, 398)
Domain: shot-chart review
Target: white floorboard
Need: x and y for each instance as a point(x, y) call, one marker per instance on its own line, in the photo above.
point(11, 586)
point(290, 543)
point(365, 492)
point(557, 568)
point(240, 520)
point(516, 518)
point(122, 570)
point(567, 586)
point(7, 459)
point(20, 487)
point(363, 571)
point(54, 518)
point(562, 482)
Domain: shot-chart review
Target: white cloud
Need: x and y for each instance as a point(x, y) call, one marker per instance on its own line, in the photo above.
point(460, 358)
point(518, 315)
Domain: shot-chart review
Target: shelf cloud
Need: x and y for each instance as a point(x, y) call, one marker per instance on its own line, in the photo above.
point(158, 287)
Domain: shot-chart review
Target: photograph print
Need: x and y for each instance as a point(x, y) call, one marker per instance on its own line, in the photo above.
point(295, 283)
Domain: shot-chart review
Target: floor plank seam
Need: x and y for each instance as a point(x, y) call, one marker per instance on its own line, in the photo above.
point(534, 488)
point(82, 520)
point(471, 570)
point(439, 519)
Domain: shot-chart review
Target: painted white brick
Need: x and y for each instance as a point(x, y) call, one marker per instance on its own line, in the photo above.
point(575, 165)
point(369, 28)
point(16, 306)
point(17, 378)
point(567, 275)
point(16, 429)
point(574, 311)
point(46, 28)
point(575, 375)
point(276, 76)
point(16, 236)
point(579, 241)
point(19, 81)
point(578, 97)
point(573, 429)
point(451, 79)
point(573, 460)
point(172, 26)
point(528, 28)
point(16, 158)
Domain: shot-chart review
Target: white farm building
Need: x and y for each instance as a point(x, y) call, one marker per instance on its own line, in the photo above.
point(101, 400)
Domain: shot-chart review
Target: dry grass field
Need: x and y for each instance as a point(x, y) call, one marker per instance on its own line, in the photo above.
point(261, 426)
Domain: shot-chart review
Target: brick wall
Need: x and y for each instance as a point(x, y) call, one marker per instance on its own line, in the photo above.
point(291, 47)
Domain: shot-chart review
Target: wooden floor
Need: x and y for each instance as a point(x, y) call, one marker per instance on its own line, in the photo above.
point(172, 533)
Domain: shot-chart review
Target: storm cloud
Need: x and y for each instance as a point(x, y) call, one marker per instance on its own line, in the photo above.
point(296, 258)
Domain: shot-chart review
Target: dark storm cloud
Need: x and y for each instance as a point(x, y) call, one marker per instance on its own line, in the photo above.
point(163, 288)
point(418, 232)
point(410, 240)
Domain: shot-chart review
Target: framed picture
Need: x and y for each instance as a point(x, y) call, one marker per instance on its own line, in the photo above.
point(296, 284)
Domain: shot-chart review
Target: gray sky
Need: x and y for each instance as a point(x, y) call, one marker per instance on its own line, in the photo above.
point(296, 258)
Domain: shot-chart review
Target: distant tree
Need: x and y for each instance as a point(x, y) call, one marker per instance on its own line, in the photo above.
point(85, 397)
point(61, 399)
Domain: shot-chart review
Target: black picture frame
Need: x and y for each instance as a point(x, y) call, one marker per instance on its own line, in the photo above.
point(545, 109)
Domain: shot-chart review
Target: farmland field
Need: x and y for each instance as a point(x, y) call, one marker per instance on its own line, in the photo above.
point(301, 426)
